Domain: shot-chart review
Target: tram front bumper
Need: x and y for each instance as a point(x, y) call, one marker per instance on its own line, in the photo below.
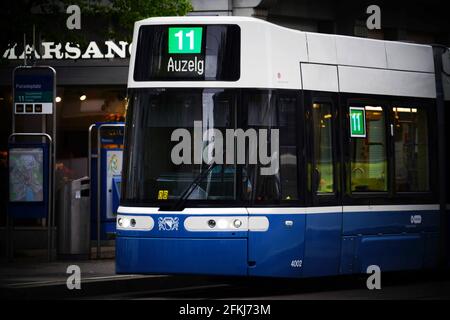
point(214, 256)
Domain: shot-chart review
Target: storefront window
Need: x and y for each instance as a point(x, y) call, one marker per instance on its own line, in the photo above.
point(77, 109)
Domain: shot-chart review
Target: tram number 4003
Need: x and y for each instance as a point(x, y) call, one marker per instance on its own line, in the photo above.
point(296, 263)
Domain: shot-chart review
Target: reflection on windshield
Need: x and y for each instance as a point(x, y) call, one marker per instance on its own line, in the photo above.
point(218, 184)
point(173, 135)
point(152, 175)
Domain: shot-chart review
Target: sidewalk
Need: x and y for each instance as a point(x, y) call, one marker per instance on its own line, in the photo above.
point(30, 276)
point(25, 273)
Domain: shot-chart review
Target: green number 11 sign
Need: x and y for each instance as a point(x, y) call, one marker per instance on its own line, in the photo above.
point(185, 40)
point(357, 122)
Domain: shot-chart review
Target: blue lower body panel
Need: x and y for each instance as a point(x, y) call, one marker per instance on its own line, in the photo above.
point(431, 252)
point(177, 256)
point(292, 245)
point(273, 252)
point(389, 252)
point(322, 245)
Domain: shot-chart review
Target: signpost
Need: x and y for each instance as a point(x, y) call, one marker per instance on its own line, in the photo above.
point(357, 117)
point(32, 154)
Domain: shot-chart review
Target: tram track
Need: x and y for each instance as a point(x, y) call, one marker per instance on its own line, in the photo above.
point(398, 285)
point(412, 285)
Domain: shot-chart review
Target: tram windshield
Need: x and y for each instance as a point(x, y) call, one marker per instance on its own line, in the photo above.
point(166, 151)
point(174, 135)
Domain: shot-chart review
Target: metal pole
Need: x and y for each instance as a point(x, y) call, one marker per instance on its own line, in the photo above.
point(9, 242)
point(33, 54)
point(50, 205)
point(53, 171)
point(91, 127)
point(24, 49)
point(98, 190)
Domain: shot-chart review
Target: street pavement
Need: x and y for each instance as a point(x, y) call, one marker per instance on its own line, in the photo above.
point(44, 280)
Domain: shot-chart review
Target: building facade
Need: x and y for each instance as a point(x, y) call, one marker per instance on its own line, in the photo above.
point(418, 21)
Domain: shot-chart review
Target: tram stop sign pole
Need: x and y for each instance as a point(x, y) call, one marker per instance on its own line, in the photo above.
point(31, 158)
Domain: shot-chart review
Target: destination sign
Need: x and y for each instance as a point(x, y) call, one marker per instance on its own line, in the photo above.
point(188, 52)
point(185, 40)
point(357, 117)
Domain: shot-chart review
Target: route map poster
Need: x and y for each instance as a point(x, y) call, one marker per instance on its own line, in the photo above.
point(26, 171)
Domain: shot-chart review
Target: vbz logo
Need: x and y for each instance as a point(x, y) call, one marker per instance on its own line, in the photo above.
point(168, 223)
point(416, 219)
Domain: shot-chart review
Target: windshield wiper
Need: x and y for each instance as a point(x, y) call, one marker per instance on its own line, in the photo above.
point(191, 187)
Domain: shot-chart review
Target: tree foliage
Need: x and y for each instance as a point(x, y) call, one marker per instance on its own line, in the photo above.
point(113, 19)
point(129, 11)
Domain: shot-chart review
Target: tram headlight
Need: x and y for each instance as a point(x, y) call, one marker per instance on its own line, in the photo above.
point(133, 222)
point(124, 222)
point(237, 223)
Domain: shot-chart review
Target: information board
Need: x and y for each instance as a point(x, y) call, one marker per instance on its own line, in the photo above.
point(34, 90)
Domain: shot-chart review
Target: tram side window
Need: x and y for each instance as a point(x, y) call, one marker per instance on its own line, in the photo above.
point(270, 111)
point(411, 149)
point(322, 175)
point(368, 154)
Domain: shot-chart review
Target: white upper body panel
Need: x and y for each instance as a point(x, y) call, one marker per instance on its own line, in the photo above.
point(276, 57)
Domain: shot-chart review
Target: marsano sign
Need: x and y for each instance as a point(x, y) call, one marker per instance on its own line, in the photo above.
point(51, 50)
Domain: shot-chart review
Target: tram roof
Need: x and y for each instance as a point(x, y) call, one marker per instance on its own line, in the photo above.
point(273, 56)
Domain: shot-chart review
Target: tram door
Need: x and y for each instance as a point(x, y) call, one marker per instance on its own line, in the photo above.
point(276, 225)
point(323, 218)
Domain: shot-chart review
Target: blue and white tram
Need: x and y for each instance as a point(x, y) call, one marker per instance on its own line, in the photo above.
point(336, 165)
